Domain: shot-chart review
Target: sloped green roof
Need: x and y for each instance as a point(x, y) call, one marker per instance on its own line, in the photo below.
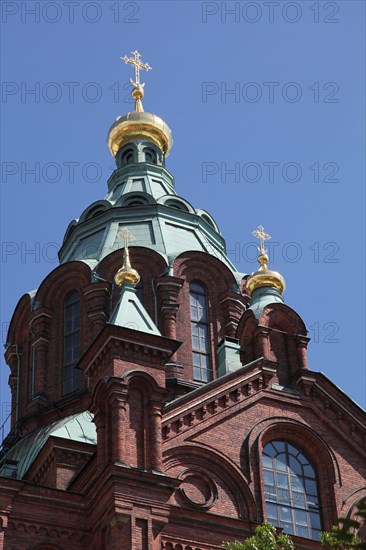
point(130, 313)
point(78, 427)
point(142, 198)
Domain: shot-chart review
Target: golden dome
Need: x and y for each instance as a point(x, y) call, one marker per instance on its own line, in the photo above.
point(126, 275)
point(264, 277)
point(138, 125)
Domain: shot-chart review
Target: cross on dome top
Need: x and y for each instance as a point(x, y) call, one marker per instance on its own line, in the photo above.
point(137, 63)
point(262, 236)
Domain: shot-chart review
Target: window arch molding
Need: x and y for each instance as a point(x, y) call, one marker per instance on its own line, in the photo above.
point(65, 278)
point(218, 280)
point(138, 196)
point(126, 155)
point(308, 441)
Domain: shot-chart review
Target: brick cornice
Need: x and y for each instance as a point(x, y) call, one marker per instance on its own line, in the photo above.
point(155, 349)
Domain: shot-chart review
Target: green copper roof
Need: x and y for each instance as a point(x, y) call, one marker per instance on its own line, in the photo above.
point(78, 427)
point(262, 297)
point(141, 197)
point(130, 313)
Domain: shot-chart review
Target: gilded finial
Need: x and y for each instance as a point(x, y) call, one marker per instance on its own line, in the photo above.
point(138, 87)
point(126, 273)
point(262, 236)
point(264, 277)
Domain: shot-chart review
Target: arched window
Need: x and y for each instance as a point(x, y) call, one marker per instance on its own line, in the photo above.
point(150, 156)
point(290, 490)
point(127, 157)
point(135, 200)
point(202, 369)
point(71, 376)
point(135, 203)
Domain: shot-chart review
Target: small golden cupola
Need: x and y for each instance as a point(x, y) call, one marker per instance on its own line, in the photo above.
point(126, 274)
point(138, 125)
point(264, 277)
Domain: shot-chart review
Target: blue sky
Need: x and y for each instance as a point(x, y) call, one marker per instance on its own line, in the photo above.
point(266, 104)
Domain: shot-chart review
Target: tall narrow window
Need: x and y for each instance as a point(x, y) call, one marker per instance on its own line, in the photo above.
point(202, 369)
point(71, 380)
point(32, 372)
point(290, 490)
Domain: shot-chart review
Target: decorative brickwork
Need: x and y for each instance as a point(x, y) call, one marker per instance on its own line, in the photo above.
point(169, 462)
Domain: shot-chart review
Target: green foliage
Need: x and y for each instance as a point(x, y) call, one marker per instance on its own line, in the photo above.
point(342, 537)
point(265, 538)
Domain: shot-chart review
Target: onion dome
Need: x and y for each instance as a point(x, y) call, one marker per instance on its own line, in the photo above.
point(264, 277)
point(126, 274)
point(138, 125)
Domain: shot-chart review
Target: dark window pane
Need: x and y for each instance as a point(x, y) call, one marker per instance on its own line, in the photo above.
point(281, 462)
point(292, 450)
point(309, 471)
point(295, 465)
point(310, 486)
point(270, 493)
point(272, 511)
point(301, 517)
point(268, 477)
point(287, 527)
point(302, 532)
point(200, 333)
point(314, 521)
point(282, 480)
point(279, 446)
point(267, 461)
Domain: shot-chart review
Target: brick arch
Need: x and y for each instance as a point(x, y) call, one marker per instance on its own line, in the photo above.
point(50, 299)
point(307, 440)
point(279, 335)
point(145, 260)
point(245, 333)
point(200, 265)
point(283, 317)
point(17, 353)
point(209, 461)
point(219, 282)
point(18, 327)
point(99, 393)
point(62, 280)
point(142, 379)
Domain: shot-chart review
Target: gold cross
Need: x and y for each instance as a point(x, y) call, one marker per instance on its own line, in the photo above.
point(126, 236)
point(137, 63)
point(262, 236)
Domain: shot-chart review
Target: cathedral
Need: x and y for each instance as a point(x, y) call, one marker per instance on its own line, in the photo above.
point(162, 400)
